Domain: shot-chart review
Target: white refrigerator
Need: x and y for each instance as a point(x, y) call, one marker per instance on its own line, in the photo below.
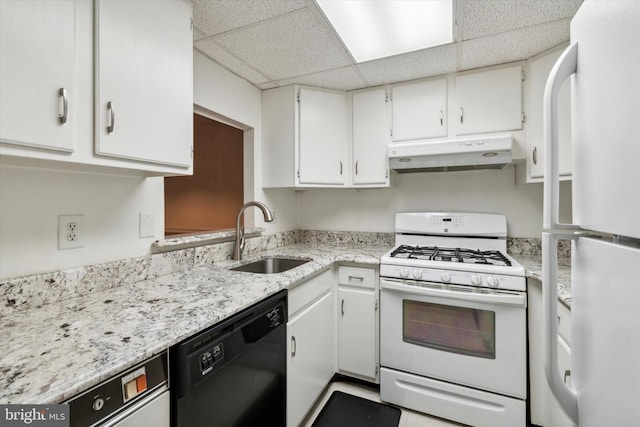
point(603, 63)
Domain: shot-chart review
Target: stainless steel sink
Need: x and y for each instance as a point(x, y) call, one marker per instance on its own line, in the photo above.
point(270, 265)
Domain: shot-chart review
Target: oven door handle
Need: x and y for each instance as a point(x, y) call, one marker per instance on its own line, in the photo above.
point(515, 299)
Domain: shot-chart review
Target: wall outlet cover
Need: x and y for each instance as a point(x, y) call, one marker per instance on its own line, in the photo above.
point(146, 225)
point(70, 231)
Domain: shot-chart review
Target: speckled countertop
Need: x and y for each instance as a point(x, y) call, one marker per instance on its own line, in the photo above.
point(533, 267)
point(51, 353)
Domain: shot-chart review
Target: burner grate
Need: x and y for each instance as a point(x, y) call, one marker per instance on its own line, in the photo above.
point(435, 253)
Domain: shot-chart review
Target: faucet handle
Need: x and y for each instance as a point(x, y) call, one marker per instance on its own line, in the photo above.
point(241, 238)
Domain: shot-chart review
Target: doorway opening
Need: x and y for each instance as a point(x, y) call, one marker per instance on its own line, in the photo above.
point(209, 199)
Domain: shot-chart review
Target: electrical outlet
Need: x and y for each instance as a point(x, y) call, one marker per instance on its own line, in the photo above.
point(70, 231)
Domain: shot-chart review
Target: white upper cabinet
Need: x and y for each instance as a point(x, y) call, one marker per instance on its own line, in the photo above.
point(489, 101)
point(38, 68)
point(370, 137)
point(304, 137)
point(322, 137)
point(419, 110)
point(143, 81)
point(539, 68)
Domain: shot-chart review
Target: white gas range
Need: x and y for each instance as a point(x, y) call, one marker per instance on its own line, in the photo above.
point(453, 320)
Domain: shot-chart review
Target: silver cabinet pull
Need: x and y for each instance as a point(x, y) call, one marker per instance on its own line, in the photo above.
point(461, 115)
point(356, 168)
point(65, 106)
point(112, 117)
point(340, 167)
point(342, 307)
point(535, 155)
point(567, 373)
point(358, 278)
point(293, 346)
point(441, 118)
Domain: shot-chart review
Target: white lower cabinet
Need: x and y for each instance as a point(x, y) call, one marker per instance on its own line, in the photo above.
point(357, 309)
point(310, 347)
point(545, 409)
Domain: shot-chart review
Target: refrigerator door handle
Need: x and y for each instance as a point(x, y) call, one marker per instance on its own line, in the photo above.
point(565, 66)
point(565, 395)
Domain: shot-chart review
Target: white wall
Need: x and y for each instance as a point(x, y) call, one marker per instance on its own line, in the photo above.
point(32, 199)
point(472, 191)
point(226, 97)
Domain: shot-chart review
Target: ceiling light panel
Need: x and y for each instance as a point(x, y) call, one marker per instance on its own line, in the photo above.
point(381, 28)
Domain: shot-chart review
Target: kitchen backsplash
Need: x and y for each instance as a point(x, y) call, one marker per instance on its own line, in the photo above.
point(40, 289)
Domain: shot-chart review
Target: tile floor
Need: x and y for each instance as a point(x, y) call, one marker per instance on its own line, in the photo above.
point(407, 419)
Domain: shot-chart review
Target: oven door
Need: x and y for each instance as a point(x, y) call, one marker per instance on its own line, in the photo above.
point(459, 334)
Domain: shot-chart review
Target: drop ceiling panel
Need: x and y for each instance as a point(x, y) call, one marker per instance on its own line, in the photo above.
point(197, 34)
point(411, 66)
point(230, 61)
point(291, 45)
point(346, 78)
point(482, 17)
point(278, 42)
point(513, 45)
point(218, 16)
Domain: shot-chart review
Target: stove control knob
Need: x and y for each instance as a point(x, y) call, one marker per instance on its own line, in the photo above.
point(476, 280)
point(404, 273)
point(417, 274)
point(492, 281)
point(445, 277)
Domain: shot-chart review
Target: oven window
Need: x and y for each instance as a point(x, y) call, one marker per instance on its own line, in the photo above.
point(449, 328)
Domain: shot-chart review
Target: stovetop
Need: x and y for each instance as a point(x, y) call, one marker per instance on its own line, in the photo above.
point(447, 254)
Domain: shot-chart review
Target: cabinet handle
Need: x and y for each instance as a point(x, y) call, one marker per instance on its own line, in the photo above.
point(358, 278)
point(567, 373)
point(340, 167)
point(112, 117)
point(65, 106)
point(342, 307)
point(535, 155)
point(356, 168)
point(441, 118)
point(461, 115)
point(293, 346)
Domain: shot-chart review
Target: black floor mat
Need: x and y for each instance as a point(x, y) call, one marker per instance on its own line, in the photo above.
point(343, 409)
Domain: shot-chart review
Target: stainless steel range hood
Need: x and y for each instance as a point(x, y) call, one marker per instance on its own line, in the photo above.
point(492, 152)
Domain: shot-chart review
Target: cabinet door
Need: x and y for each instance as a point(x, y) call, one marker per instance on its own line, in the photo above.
point(556, 415)
point(538, 73)
point(143, 80)
point(322, 137)
point(489, 101)
point(310, 362)
point(419, 110)
point(370, 137)
point(357, 332)
point(38, 60)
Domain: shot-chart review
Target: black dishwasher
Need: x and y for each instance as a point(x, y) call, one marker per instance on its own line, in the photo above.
point(233, 373)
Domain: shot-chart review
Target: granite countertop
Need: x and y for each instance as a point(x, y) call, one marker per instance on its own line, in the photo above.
point(53, 352)
point(533, 267)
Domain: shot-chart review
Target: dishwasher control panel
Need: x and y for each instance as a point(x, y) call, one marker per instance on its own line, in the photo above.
point(211, 358)
point(119, 392)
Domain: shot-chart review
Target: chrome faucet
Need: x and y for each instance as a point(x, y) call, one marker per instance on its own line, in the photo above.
point(239, 245)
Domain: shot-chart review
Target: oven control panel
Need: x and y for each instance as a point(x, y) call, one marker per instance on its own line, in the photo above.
point(454, 277)
point(446, 222)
